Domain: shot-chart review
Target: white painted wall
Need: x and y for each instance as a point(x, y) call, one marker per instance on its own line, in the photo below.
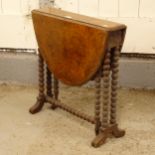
point(16, 28)
point(138, 15)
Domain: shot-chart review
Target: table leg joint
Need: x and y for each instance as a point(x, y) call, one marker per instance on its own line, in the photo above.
point(112, 130)
point(38, 105)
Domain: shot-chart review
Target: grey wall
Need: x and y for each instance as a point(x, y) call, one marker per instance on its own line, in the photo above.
point(18, 68)
point(22, 69)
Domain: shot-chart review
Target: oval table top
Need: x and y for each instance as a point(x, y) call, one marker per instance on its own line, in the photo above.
point(72, 49)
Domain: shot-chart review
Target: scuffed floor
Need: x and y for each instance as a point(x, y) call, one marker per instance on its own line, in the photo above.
point(59, 133)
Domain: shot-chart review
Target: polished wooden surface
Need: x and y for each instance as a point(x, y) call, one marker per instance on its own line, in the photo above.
point(76, 49)
point(82, 19)
point(72, 45)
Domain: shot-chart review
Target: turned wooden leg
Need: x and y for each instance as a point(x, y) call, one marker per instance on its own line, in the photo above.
point(114, 84)
point(48, 82)
point(56, 88)
point(56, 92)
point(49, 85)
point(102, 136)
point(106, 80)
point(98, 102)
point(41, 98)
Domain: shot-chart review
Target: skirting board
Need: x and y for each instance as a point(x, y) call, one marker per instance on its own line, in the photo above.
point(22, 68)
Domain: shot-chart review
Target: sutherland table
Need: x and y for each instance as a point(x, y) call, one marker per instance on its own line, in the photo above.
point(77, 49)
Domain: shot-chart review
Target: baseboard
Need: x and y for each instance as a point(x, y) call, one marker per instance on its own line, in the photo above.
point(21, 68)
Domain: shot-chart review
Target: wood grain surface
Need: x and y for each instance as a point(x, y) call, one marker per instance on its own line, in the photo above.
point(72, 49)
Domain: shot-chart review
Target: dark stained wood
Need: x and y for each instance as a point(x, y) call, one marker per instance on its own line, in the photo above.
point(107, 132)
point(72, 45)
point(76, 49)
point(82, 19)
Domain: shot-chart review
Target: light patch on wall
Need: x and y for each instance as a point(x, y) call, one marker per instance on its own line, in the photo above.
point(69, 5)
point(88, 7)
point(46, 3)
point(11, 7)
point(139, 36)
point(147, 8)
point(108, 8)
point(128, 8)
point(0, 6)
point(29, 5)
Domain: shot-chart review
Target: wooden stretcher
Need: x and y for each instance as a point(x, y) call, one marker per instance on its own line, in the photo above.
point(77, 49)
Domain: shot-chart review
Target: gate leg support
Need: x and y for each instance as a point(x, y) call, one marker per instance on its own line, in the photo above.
point(51, 86)
point(97, 103)
point(109, 127)
point(106, 133)
point(114, 84)
point(104, 129)
point(41, 98)
point(56, 92)
point(49, 90)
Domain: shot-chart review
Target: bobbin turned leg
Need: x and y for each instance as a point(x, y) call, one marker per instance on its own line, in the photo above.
point(56, 92)
point(49, 85)
point(114, 82)
point(98, 102)
point(106, 95)
point(48, 82)
point(41, 98)
point(109, 128)
point(104, 130)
